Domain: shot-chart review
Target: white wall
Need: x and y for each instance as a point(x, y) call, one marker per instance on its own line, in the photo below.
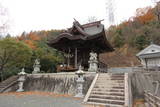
point(151, 62)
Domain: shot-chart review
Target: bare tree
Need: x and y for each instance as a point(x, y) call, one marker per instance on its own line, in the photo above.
point(4, 21)
point(157, 9)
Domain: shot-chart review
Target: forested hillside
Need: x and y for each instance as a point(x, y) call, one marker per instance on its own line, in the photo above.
point(133, 35)
point(21, 51)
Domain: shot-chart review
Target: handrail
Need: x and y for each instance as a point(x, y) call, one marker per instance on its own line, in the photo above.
point(90, 88)
point(14, 80)
point(153, 100)
point(128, 91)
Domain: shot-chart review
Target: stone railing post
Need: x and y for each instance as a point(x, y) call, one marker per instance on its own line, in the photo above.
point(127, 98)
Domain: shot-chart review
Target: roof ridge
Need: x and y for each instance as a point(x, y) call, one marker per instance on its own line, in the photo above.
point(92, 23)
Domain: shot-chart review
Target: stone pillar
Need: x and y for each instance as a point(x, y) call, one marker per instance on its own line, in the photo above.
point(22, 78)
point(80, 82)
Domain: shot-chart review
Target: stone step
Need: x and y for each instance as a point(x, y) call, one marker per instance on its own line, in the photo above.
point(107, 96)
point(108, 90)
point(6, 82)
point(112, 76)
point(108, 93)
point(115, 81)
point(2, 86)
point(107, 101)
point(109, 84)
point(108, 87)
point(103, 104)
point(105, 79)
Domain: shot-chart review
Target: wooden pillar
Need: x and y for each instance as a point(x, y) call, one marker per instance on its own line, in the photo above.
point(75, 59)
point(68, 57)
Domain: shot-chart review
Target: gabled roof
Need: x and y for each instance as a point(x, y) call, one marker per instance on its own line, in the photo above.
point(151, 49)
point(86, 30)
point(92, 33)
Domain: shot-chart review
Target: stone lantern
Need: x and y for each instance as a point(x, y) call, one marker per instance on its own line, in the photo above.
point(80, 82)
point(21, 79)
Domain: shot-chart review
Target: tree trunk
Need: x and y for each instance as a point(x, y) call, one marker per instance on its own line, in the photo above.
point(1, 73)
point(158, 11)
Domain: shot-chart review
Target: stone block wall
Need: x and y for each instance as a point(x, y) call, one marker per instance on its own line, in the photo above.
point(63, 83)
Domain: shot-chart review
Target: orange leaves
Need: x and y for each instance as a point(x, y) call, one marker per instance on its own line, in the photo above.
point(30, 43)
point(29, 39)
point(147, 17)
point(144, 15)
point(34, 37)
point(22, 37)
point(30, 36)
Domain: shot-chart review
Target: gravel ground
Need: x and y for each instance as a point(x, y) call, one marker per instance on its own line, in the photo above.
point(32, 99)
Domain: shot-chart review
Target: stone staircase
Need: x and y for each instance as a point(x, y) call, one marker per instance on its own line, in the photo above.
point(7, 83)
point(108, 90)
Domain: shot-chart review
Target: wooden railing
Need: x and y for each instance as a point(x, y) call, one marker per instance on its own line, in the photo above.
point(152, 100)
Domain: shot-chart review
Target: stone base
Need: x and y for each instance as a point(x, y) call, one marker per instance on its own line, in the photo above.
point(93, 66)
point(91, 70)
point(79, 95)
point(20, 90)
point(35, 72)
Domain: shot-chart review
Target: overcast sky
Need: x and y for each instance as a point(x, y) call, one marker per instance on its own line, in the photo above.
point(27, 15)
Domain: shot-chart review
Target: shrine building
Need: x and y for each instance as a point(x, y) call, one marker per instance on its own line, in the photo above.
point(150, 57)
point(78, 41)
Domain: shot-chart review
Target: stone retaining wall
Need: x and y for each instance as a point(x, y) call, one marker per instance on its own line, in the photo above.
point(63, 83)
point(143, 81)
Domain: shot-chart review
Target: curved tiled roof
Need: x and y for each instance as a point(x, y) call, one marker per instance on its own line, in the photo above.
point(86, 32)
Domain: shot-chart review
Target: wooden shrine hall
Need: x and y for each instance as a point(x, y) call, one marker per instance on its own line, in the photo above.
point(78, 41)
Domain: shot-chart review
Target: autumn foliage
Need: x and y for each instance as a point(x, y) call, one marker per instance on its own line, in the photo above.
point(131, 36)
point(145, 15)
point(30, 43)
point(30, 39)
